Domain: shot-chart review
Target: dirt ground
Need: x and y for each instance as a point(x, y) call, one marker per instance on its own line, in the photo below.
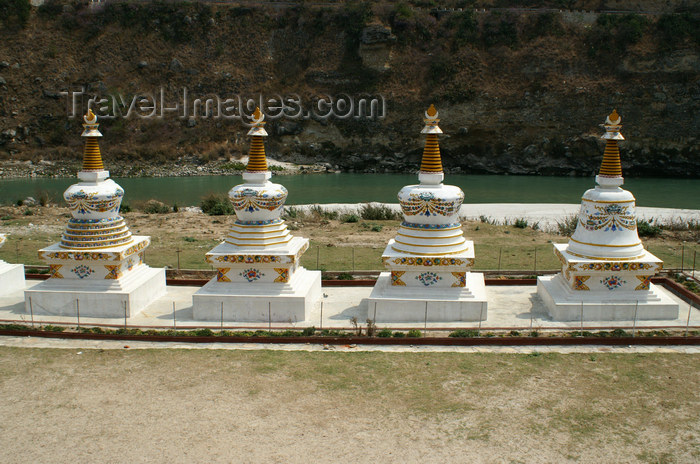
point(68, 406)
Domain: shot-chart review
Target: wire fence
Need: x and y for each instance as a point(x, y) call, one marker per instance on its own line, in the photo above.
point(682, 257)
point(68, 314)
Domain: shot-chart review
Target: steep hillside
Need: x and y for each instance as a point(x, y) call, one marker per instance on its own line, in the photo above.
point(518, 92)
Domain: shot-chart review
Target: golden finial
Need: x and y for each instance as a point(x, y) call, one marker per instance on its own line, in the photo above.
point(611, 166)
point(431, 162)
point(90, 117)
point(614, 118)
point(257, 161)
point(92, 158)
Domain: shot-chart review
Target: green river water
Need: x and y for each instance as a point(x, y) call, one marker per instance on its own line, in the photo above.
point(359, 188)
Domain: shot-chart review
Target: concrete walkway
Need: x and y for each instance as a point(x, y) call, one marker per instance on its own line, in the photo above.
point(34, 342)
point(509, 307)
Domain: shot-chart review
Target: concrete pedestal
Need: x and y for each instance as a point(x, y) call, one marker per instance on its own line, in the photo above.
point(289, 302)
point(444, 304)
point(11, 277)
point(564, 304)
point(97, 298)
point(611, 290)
point(258, 285)
point(103, 281)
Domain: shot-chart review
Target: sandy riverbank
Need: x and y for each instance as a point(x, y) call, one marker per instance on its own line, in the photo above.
point(547, 214)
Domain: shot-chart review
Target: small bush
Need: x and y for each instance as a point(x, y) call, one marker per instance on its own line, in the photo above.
point(28, 212)
point(414, 333)
point(323, 214)
point(308, 331)
point(384, 333)
point(291, 213)
point(464, 333)
point(345, 276)
point(520, 223)
point(376, 228)
point(534, 334)
point(124, 207)
point(619, 333)
point(189, 239)
point(19, 202)
point(371, 327)
point(398, 334)
point(234, 166)
point(644, 229)
point(54, 328)
point(203, 333)
point(567, 226)
point(377, 212)
point(156, 207)
point(349, 218)
point(216, 205)
point(43, 198)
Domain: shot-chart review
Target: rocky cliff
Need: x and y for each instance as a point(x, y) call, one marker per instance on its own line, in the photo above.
point(518, 92)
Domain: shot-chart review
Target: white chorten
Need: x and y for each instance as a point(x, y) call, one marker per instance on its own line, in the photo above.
point(429, 261)
point(606, 272)
point(259, 276)
point(11, 275)
point(97, 268)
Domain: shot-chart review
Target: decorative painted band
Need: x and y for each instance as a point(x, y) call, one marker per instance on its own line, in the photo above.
point(412, 225)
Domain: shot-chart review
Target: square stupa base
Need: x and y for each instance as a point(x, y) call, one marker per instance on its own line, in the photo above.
point(564, 304)
point(292, 301)
point(97, 298)
point(11, 277)
point(444, 304)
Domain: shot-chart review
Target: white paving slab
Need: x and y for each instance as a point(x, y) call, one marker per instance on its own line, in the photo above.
point(512, 307)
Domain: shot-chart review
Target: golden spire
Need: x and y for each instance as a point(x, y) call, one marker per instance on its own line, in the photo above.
point(257, 161)
point(92, 158)
point(431, 161)
point(611, 167)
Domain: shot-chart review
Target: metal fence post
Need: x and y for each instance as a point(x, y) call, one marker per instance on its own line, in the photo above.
point(500, 252)
point(174, 321)
point(222, 314)
point(682, 256)
point(634, 323)
point(481, 316)
point(425, 319)
point(77, 311)
point(687, 324)
point(124, 315)
point(535, 267)
point(31, 310)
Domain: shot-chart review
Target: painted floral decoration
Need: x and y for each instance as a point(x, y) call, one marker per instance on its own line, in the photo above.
point(428, 278)
point(612, 282)
point(251, 275)
point(82, 271)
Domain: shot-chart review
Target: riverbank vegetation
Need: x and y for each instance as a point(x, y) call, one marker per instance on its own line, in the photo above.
point(338, 242)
